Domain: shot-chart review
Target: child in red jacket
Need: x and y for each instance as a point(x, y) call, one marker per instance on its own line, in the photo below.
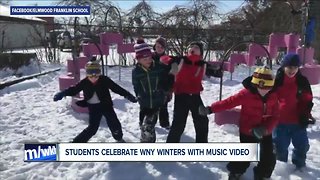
point(259, 107)
point(295, 99)
point(187, 88)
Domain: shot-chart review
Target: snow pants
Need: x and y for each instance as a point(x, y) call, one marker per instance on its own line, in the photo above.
point(267, 161)
point(283, 135)
point(183, 103)
point(147, 127)
point(96, 111)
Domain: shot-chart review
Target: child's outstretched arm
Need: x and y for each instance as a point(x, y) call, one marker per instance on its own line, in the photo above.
point(225, 104)
point(71, 91)
point(230, 102)
point(119, 90)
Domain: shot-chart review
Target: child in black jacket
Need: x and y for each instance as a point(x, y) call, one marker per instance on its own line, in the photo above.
point(97, 98)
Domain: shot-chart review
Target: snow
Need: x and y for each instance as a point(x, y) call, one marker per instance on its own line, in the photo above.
point(28, 114)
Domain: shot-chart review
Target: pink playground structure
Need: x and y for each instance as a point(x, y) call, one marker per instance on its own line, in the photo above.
point(89, 50)
point(309, 67)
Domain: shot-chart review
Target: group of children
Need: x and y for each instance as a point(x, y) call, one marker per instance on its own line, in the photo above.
point(275, 111)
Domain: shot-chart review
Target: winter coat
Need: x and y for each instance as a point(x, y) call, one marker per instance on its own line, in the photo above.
point(150, 85)
point(256, 110)
point(190, 74)
point(295, 96)
point(101, 87)
point(166, 70)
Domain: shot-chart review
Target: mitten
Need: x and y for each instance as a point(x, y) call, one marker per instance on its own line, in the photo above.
point(204, 111)
point(58, 96)
point(259, 132)
point(165, 59)
point(131, 98)
point(174, 69)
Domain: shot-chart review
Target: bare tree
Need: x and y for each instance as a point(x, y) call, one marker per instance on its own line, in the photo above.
point(187, 23)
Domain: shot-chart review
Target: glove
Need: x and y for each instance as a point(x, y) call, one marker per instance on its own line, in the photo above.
point(204, 111)
point(58, 96)
point(214, 70)
point(174, 69)
point(131, 98)
point(259, 132)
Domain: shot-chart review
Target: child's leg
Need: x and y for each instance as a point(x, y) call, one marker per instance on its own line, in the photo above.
point(180, 114)
point(301, 146)
point(164, 116)
point(200, 122)
point(95, 115)
point(267, 162)
point(241, 167)
point(113, 123)
point(281, 138)
point(142, 114)
point(148, 133)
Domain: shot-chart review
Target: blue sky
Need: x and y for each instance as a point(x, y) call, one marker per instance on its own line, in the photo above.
point(158, 5)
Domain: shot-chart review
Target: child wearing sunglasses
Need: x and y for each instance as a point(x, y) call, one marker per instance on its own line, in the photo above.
point(259, 109)
point(97, 98)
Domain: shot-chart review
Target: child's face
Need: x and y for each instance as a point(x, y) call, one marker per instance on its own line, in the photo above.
point(159, 48)
point(145, 62)
point(194, 50)
point(291, 71)
point(93, 78)
point(263, 92)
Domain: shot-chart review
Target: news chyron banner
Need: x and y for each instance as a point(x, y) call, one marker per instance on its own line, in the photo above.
point(50, 11)
point(148, 152)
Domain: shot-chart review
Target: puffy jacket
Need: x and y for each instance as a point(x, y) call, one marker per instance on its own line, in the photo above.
point(150, 85)
point(295, 96)
point(190, 75)
point(165, 68)
point(101, 87)
point(255, 110)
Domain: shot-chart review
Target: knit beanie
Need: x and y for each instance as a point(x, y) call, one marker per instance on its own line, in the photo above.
point(199, 44)
point(93, 68)
point(142, 49)
point(161, 41)
point(291, 59)
point(263, 78)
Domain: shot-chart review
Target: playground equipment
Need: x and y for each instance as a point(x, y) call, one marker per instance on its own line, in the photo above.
point(90, 50)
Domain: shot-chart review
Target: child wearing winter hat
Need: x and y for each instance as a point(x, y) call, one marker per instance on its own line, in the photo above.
point(159, 50)
point(97, 98)
point(151, 87)
point(295, 99)
point(189, 71)
point(258, 117)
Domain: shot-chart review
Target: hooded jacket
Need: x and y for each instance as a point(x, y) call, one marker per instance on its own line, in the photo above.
point(256, 110)
point(150, 85)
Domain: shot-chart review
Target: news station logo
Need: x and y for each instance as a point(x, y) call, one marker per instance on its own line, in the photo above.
point(40, 152)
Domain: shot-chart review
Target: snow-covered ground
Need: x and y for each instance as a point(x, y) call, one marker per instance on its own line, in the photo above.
point(28, 114)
